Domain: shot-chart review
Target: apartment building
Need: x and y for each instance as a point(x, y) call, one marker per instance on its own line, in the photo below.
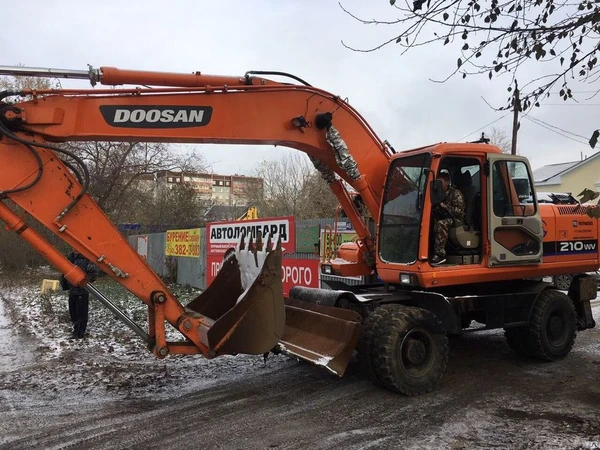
point(231, 190)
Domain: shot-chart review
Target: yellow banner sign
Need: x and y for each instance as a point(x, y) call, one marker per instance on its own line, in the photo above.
point(183, 243)
point(327, 249)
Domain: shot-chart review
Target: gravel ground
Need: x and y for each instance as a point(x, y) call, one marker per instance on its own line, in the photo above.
point(108, 392)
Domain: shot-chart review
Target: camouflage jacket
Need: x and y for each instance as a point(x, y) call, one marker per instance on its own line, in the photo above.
point(455, 204)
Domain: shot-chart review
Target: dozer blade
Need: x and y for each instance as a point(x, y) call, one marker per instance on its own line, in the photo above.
point(246, 302)
point(323, 335)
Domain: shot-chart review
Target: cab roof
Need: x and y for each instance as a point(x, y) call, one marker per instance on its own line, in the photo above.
point(454, 148)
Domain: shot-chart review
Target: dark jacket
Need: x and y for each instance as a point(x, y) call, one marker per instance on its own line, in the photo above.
point(90, 269)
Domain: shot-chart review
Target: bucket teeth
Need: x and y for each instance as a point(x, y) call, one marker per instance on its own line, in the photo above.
point(246, 301)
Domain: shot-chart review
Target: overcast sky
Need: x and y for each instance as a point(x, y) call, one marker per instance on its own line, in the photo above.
point(392, 91)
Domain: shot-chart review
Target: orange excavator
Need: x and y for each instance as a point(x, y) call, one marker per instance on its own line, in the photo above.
point(496, 257)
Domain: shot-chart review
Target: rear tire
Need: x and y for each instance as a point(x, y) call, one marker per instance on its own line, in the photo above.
point(410, 349)
point(552, 326)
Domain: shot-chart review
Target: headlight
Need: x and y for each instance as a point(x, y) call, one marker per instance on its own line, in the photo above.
point(405, 278)
point(326, 269)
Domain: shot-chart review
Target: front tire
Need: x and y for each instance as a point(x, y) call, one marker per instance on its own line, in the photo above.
point(365, 344)
point(552, 326)
point(410, 349)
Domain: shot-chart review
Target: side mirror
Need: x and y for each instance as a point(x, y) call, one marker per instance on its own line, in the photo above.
point(436, 190)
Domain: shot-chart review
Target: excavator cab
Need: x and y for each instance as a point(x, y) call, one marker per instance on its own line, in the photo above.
point(500, 208)
point(464, 243)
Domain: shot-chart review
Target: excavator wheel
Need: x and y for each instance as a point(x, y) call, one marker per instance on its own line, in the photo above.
point(410, 349)
point(552, 326)
point(365, 344)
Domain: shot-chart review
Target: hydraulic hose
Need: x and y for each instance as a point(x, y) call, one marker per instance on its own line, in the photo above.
point(30, 146)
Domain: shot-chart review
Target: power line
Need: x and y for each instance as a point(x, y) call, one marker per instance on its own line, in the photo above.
point(550, 128)
point(558, 128)
point(554, 131)
point(485, 126)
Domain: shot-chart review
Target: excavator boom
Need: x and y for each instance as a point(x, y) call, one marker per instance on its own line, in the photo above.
point(231, 316)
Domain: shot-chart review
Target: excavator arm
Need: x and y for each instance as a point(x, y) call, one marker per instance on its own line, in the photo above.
point(229, 317)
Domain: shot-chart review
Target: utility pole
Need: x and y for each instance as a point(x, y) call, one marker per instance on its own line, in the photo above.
point(513, 149)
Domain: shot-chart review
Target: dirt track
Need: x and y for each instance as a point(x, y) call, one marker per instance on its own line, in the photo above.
point(489, 398)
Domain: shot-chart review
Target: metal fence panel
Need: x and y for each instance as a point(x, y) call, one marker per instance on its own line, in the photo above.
point(189, 272)
point(132, 241)
point(203, 268)
point(306, 229)
point(156, 253)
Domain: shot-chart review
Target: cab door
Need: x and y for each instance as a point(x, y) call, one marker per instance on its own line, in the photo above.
point(515, 229)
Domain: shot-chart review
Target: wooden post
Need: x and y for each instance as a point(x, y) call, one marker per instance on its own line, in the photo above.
point(513, 149)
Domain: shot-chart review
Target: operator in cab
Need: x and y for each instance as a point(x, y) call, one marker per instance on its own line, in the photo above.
point(449, 213)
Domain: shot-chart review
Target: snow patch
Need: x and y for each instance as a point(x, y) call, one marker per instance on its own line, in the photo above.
point(324, 360)
point(111, 362)
point(250, 263)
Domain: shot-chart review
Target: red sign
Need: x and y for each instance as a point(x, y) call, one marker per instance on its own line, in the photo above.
point(213, 265)
point(221, 236)
point(295, 272)
point(300, 272)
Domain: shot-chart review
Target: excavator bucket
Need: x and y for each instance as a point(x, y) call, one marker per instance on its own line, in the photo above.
point(245, 300)
point(251, 316)
point(322, 335)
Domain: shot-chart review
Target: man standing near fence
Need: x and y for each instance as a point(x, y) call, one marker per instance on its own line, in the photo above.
point(79, 298)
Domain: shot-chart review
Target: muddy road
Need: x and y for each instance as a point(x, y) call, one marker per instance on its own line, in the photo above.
point(15, 350)
point(489, 398)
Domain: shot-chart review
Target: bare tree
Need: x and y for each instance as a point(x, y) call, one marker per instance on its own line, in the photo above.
point(292, 187)
point(500, 139)
point(26, 83)
point(117, 168)
point(318, 200)
point(218, 212)
point(500, 37)
point(173, 206)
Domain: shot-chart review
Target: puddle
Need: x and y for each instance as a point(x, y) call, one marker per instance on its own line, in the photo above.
point(15, 351)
